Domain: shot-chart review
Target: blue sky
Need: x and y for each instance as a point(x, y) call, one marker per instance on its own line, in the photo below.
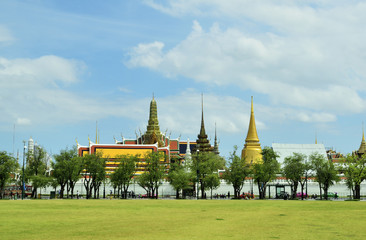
point(66, 64)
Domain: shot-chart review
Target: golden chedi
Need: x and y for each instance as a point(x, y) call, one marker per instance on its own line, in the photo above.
point(252, 148)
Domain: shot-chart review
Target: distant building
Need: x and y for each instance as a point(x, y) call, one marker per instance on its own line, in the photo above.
point(153, 140)
point(334, 156)
point(203, 144)
point(286, 150)
point(362, 149)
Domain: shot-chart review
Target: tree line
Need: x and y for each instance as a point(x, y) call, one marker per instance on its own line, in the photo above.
point(192, 177)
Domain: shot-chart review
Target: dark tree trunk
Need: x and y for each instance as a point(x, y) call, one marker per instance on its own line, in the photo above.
point(294, 190)
point(302, 190)
point(357, 191)
point(320, 189)
point(62, 189)
point(68, 189)
point(72, 186)
point(202, 190)
point(34, 193)
point(326, 192)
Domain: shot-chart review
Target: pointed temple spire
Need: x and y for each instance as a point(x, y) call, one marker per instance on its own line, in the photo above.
point(188, 155)
point(316, 138)
point(153, 134)
point(362, 149)
point(252, 148)
point(203, 144)
point(216, 145)
point(202, 131)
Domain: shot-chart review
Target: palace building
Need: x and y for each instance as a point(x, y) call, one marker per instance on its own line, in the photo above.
point(153, 140)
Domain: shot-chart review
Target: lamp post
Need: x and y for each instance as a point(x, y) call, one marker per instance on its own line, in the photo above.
point(23, 170)
point(306, 182)
point(198, 151)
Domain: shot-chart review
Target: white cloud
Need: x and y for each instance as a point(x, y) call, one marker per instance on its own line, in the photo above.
point(309, 56)
point(46, 70)
point(146, 55)
point(23, 121)
point(32, 92)
point(124, 90)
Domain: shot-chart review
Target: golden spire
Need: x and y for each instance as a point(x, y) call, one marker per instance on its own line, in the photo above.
point(252, 148)
point(96, 132)
point(316, 138)
point(252, 135)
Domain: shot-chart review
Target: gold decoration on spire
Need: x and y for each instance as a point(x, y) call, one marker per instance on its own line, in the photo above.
point(316, 138)
point(203, 144)
point(153, 134)
point(216, 145)
point(362, 149)
point(252, 148)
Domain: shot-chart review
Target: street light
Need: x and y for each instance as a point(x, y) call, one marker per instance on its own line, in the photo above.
point(23, 170)
point(198, 151)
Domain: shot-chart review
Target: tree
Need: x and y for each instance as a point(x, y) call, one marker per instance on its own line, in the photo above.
point(354, 169)
point(236, 172)
point(124, 172)
point(59, 173)
point(212, 181)
point(36, 169)
point(8, 165)
point(325, 172)
point(204, 164)
point(294, 169)
point(266, 171)
point(307, 167)
point(180, 178)
point(94, 166)
point(75, 169)
point(155, 168)
point(67, 168)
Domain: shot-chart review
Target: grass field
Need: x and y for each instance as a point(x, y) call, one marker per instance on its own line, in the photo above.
point(181, 219)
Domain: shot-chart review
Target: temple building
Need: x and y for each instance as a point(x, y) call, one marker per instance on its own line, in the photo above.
point(252, 152)
point(362, 149)
point(286, 150)
point(153, 140)
point(203, 144)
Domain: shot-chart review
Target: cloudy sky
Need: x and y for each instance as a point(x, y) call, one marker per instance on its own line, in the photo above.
point(66, 64)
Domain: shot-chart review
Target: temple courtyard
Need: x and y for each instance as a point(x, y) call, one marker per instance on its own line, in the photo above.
point(182, 219)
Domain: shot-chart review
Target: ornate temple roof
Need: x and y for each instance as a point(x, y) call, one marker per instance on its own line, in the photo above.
point(216, 145)
point(203, 144)
point(362, 149)
point(153, 134)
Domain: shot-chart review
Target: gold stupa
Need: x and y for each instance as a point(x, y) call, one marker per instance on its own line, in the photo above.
point(252, 148)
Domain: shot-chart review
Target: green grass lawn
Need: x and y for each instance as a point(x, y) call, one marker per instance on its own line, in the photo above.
point(181, 219)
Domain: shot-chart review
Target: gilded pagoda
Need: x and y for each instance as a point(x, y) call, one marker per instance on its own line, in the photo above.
point(252, 148)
